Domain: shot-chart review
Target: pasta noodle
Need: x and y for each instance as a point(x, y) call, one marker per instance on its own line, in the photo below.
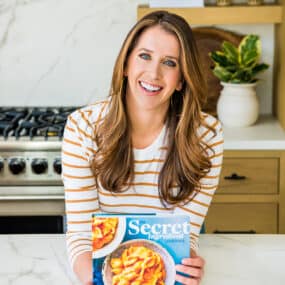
point(138, 265)
point(103, 231)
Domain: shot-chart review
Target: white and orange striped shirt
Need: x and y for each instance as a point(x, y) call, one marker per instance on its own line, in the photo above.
point(83, 198)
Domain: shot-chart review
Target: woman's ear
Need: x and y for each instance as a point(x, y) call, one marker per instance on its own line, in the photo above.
point(180, 85)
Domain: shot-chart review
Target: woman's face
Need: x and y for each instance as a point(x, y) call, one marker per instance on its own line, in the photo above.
point(153, 70)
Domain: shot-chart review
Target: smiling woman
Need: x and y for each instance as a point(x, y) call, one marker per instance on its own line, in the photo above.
point(153, 74)
point(148, 148)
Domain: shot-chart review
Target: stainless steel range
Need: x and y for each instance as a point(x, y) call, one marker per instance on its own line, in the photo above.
point(30, 162)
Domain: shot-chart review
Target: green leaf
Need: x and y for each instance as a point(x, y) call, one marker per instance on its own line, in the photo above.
point(236, 80)
point(231, 68)
point(250, 58)
point(223, 74)
point(259, 68)
point(230, 52)
point(249, 50)
point(219, 58)
point(242, 75)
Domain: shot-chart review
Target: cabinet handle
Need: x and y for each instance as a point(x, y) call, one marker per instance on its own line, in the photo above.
point(235, 176)
point(234, 232)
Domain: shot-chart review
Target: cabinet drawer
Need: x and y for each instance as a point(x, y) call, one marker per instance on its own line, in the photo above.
point(242, 218)
point(260, 176)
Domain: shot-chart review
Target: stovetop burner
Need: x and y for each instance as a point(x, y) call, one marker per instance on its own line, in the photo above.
point(37, 122)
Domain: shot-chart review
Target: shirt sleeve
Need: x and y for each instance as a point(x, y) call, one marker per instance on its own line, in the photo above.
point(197, 208)
point(79, 184)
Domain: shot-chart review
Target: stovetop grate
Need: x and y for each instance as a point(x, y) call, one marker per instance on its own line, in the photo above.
point(44, 122)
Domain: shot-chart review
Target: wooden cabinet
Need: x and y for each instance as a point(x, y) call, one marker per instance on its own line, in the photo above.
point(261, 218)
point(250, 197)
point(249, 175)
point(251, 194)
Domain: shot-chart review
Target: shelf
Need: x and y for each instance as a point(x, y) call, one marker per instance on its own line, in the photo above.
point(265, 134)
point(224, 15)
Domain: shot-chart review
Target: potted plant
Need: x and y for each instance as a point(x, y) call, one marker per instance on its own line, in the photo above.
point(237, 68)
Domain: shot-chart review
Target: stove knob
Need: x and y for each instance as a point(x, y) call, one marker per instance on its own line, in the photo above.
point(57, 165)
point(39, 165)
point(1, 164)
point(17, 165)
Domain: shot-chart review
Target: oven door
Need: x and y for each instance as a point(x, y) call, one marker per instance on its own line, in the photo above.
point(32, 216)
point(32, 224)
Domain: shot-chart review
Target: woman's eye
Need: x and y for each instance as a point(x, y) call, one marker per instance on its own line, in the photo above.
point(170, 63)
point(144, 56)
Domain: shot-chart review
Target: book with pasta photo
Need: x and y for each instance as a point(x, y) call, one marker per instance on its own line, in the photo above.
point(138, 249)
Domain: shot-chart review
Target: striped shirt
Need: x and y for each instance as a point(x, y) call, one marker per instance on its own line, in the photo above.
point(82, 198)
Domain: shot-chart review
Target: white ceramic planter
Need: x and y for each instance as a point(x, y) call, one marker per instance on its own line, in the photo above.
point(238, 105)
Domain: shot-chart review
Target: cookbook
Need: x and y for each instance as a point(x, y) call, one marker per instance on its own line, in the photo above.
point(138, 249)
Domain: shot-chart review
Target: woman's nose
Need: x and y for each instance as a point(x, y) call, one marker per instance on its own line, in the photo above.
point(155, 70)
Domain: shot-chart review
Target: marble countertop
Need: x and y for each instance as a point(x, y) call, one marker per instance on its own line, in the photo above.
point(230, 260)
point(266, 134)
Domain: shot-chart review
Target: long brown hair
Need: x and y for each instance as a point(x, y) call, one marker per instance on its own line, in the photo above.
point(186, 160)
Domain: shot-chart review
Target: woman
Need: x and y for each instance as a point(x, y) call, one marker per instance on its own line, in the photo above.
point(148, 148)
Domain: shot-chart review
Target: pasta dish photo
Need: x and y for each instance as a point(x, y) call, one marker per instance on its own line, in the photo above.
point(139, 262)
point(103, 231)
point(138, 265)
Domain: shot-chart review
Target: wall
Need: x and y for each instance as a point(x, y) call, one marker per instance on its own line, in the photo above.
point(61, 52)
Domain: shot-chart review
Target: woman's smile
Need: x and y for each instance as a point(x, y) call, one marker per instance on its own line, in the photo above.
point(150, 89)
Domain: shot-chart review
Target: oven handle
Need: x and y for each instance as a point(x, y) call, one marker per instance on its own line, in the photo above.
point(32, 197)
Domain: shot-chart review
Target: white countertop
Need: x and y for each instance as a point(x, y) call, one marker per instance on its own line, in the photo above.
point(230, 260)
point(265, 134)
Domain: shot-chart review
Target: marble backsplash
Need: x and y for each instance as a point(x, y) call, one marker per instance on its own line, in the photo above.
point(61, 52)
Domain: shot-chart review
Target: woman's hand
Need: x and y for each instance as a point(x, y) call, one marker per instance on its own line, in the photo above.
point(193, 268)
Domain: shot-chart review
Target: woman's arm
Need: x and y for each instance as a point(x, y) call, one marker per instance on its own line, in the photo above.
point(80, 194)
point(83, 268)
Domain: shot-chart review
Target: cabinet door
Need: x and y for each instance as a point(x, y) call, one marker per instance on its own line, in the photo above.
point(242, 218)
point(249, 176)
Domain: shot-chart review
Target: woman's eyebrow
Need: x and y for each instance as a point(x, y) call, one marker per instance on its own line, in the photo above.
point(145, 49)
point(172, 57)
point(150, 51)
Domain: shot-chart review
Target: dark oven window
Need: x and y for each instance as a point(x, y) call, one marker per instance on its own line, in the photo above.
point(31, 224)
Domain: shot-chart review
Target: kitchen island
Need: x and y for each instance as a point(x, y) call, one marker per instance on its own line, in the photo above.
point(231, 260)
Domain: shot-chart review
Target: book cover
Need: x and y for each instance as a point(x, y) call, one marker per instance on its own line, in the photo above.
point(176, 3)
point(138, 249)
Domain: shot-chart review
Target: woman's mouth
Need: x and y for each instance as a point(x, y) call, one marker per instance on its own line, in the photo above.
point(150, 87)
